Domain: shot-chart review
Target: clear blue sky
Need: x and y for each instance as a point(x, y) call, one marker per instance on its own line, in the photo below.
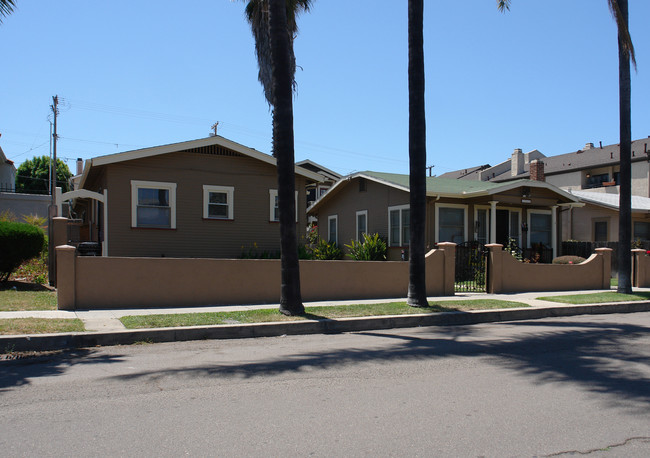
point(136, 74)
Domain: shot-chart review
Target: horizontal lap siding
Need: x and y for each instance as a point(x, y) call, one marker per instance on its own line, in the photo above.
point(194, 236)
point(349, 200)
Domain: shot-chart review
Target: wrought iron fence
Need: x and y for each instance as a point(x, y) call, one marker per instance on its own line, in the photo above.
point(471, 267)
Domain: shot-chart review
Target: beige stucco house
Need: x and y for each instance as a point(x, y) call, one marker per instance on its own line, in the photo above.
point(457, 211)
point(206, 198)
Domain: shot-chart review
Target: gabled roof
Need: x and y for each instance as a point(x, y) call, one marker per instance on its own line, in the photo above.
point(214, 141)
point(317, 168)
point(639, 203)
point(443, 187)
point(3, 159)
point(469, 173)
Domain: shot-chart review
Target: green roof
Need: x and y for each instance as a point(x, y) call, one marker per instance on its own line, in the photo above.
point(447, 186)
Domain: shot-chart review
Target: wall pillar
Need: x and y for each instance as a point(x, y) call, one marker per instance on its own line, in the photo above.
point(449, 279)
point(495, 268)
point(606, 253)
point(66, 258)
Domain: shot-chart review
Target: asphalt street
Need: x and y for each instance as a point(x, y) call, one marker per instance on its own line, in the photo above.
point(550, 387)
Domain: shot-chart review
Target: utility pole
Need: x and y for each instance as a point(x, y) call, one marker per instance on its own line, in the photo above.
point(51, 258)
point(430, 168)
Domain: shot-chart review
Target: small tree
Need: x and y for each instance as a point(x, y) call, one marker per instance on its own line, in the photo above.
point(33, 175)
point(18, 243)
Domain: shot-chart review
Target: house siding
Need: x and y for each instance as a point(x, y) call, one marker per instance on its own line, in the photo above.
point(349, 200)
point(195, 236)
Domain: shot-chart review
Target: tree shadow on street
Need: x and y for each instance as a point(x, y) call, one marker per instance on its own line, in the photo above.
point(602, 357)
point(18, 372)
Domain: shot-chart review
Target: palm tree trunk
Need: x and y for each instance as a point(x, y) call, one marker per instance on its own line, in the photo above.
point(283, 149)
point(625, 203)
point(417, 293)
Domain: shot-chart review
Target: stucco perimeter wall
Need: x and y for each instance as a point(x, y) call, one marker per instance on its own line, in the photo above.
point(508, 275)
point(111, 282)
point(641, 274)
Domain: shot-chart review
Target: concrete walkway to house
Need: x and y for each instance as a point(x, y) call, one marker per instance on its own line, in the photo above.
point(104, 327)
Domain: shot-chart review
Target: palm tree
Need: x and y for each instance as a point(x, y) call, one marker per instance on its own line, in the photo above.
point(274, 25)
point(417, 291)
point(619, 9)
point(6, 8)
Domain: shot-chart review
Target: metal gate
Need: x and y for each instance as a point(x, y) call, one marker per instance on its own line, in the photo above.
point(471, 267)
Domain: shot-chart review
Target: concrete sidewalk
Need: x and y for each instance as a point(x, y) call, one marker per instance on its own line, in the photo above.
point(105, 328)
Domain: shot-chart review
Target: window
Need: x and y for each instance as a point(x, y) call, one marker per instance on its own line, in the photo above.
point(451, 223)
point(540, 228)
point(362, 224)
point(218, 202)
point(641, 230)
point(274, 211)
point(332, 229)
point(600, 231)
point(399, 225)
point(515, 227)
point(153, 204)
point(322, 190)
point(596, 181)
point(482, 226)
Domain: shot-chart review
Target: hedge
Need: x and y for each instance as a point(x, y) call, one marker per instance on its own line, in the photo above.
point(18, 243)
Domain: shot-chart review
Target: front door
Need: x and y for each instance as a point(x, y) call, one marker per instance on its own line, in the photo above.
point(503, 227)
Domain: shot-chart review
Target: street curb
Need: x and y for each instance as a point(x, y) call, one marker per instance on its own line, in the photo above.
point(328, 326)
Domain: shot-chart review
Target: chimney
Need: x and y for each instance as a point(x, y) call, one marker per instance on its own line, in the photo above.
point(517, 163)
point(537, 170)
point(588, 146)
point(80, 166)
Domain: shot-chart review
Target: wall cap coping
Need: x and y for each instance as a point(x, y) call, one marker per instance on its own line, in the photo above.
point(606, 249)
point(65, 248)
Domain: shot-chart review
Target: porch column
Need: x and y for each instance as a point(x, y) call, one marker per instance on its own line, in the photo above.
point(493, 221)
point(554, 230)
point(105, 242)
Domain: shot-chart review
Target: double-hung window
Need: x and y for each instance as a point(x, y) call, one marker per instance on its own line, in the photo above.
point(399, 225)
point(274, 209)
point(218, 202)
point(451, 223)
point(540, 228)
point(153, 204)
point(362, 224)
point(333, 229)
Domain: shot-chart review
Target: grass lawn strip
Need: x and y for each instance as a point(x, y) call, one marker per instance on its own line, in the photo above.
point(312, 313)
point(11, 300)
point(13, 326)
point(596, 298)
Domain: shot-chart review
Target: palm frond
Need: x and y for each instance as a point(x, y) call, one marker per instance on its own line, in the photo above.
point(6, 8)
point(257, 15)
point(503, 5)
point(623, 31)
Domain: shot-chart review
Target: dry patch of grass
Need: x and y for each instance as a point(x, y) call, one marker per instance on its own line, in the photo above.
point(12, 300)
point(312, 313)
point(13, 326)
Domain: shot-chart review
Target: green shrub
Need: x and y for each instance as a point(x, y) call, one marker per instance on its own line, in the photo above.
point(568, 260)
point(18, 243)
point(373, 248)
point(326, 251)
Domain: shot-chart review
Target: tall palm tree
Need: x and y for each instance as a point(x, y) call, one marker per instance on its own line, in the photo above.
point(417, 291)
point(274, 25)
point(6, 8)
point(619, 9)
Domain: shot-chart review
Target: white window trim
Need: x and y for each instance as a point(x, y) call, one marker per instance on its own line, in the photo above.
point(439, 206)
point(390, 209)
point(136, 184)
point(359, 213)
point(229, 190)
point(336, 222)
point(272, 195)
point(530, 227)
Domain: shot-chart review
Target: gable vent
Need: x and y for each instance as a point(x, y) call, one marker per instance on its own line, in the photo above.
point(215, 150)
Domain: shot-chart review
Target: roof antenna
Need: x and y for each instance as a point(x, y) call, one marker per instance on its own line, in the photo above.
point(214, 127)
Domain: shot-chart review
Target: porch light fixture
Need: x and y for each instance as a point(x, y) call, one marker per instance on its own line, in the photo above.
point(525, 201)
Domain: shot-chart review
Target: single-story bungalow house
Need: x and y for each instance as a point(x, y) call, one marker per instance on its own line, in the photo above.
point(457, 211)
point(206, 198)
